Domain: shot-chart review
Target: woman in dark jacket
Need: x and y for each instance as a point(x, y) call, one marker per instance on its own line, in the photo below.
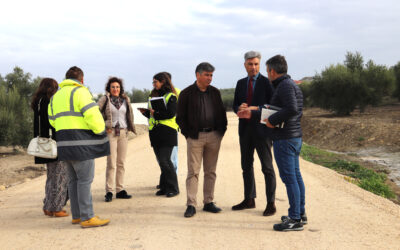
point(163, 132)
point(56, 191)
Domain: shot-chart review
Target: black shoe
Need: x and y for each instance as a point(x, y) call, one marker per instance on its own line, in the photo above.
point(210, 207)
point(158, 186)
point(270, 209)
point(190, 211)
point(172, 194)
point(304, 220)
point(160, 192)
point(123, 195)
point(108, 197)
point(245, 204)
point(289, 225)
point(302, 216)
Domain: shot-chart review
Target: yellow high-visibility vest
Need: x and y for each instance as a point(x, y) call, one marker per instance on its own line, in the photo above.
point(79, 125)
point(167, 122)
point(178, 92)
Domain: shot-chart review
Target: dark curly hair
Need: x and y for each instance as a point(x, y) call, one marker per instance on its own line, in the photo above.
point(118, 80)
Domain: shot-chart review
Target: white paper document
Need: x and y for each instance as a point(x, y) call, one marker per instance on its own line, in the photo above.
point(265, 113)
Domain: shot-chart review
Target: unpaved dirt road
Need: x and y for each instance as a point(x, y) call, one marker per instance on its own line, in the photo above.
point(341, 215)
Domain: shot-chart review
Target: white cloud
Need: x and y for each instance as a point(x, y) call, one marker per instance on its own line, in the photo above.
point(137, 38)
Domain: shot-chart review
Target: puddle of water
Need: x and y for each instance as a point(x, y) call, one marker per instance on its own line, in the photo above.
point(390, 160)
point(382, 157)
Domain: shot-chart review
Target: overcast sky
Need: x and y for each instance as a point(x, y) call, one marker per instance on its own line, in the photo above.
point(136, 39)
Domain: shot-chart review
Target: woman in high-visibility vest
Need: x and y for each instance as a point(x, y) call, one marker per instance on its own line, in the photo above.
point(163, 132)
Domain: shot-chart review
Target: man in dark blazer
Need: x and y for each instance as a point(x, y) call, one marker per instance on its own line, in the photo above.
point(251, 93)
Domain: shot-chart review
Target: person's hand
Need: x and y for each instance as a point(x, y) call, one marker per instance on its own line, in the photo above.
point(253, 107)
point(242, 106)
point(142, 110)
point(109, 131)
point(268, 124)
point(245, 113)
point(151, 111)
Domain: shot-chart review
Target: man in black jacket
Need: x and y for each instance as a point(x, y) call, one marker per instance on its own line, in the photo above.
point(202, 119)
point(251, 93)
point(287, 141)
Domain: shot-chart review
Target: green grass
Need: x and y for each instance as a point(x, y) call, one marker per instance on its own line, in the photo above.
point(362, 176)
point(360, 139)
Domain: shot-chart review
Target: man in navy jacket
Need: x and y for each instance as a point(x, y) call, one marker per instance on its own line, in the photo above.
point(287, 141)
point(251, 93)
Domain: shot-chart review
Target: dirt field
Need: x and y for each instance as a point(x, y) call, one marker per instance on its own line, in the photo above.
point(371, 138)
point(377, 127)
point(340, 214)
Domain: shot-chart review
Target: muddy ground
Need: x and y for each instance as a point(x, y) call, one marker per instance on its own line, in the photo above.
point(371, 138)
point(377, 127)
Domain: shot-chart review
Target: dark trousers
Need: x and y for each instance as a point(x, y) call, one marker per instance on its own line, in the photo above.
point(249, 141)
point(168, 179)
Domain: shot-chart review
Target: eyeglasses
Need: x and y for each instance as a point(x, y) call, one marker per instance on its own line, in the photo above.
point(115, 87)
point(155, 81)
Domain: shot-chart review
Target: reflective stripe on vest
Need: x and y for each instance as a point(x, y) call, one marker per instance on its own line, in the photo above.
point(167, 122)
point(71, 107)
point(76, 140)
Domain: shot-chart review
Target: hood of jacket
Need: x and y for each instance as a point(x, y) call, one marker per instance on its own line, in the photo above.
point(71, 82)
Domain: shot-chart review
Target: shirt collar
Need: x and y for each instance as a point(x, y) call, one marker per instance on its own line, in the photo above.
point(198, 89)
point(254, 77)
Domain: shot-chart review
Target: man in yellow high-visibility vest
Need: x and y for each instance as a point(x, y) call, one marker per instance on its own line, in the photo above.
point(81, 137)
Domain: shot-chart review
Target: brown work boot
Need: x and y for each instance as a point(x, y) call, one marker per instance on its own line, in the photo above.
point(245, 204)
point(61, 213)
point(48, 213)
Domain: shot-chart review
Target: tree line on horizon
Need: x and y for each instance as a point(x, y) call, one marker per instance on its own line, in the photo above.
point(339, 88)
point(343, 88)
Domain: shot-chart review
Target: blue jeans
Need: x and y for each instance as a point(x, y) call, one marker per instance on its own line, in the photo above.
point(286, 154)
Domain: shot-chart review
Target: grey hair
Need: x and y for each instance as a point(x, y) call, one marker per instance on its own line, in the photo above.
point(252, 54)
point(204, 66)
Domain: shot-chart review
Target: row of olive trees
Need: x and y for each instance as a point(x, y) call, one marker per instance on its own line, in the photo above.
point(344, 87)
point(340, 88)
point(16, 117)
